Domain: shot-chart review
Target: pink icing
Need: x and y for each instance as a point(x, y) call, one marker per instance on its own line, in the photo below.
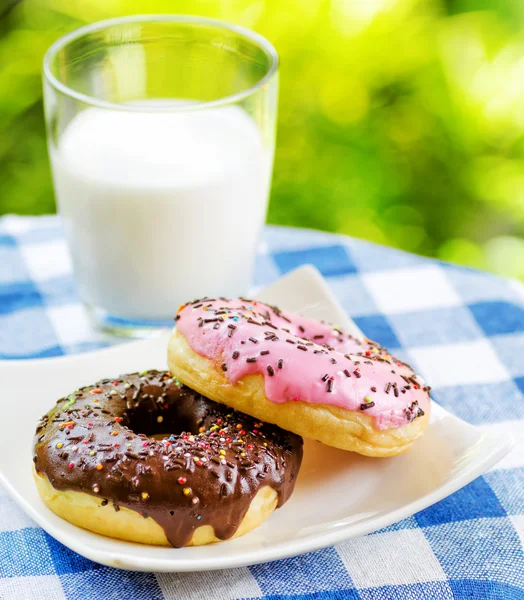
point(319, 364)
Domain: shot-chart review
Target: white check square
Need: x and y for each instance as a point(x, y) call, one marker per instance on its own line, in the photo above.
point(43, 587)
point(515, 429)
point(518, 287)
point(518, 523)
point(46, 260)
point(212, 585)
point(392, 558)
point(411, 289)
point(459, 364)
point(15, 225)
point(12, 517)
point(71, 324)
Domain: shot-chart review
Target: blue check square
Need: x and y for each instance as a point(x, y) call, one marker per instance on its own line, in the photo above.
point(32, 553)
point(469, 589)
point(431, 590)
point(67, 561)
point(477, 286)
point(377, 328)
point(475, 501)
point(507, 485)
point(483, 403)
point(510, 350)
point(497, 318)
point(436, 326)
point(313, 572)
point(353, 295)
point(18, 296)
point(7, 241)
point(370, 257)
point(479, 549)
point(329, 260)
point(408, 523)
point(325, 595)
point(519, 381)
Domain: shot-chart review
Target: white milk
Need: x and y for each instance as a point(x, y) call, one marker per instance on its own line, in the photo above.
point(161, 208)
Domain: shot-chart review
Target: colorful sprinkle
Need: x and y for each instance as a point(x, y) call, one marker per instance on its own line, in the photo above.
point(70, 401)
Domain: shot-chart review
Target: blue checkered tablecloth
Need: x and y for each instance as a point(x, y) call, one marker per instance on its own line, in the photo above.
point(470, 545)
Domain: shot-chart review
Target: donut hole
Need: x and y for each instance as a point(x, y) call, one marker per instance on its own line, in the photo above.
point(159, 417)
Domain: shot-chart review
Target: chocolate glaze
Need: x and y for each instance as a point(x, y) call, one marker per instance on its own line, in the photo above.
point(206, 469)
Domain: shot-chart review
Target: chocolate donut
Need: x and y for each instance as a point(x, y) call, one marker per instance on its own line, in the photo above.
point(144, 458)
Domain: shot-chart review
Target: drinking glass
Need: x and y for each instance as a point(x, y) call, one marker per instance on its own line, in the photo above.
point(161, 134)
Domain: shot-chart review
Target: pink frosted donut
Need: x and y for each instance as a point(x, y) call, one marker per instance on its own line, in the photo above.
point(303, 375)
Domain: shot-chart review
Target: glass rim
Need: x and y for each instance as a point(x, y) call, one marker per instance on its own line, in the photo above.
point(252, 36)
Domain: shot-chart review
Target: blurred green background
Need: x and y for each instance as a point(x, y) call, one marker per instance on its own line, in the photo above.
point(401, 121)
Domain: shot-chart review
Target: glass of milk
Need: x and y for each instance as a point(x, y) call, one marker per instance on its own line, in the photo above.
point(161, 134)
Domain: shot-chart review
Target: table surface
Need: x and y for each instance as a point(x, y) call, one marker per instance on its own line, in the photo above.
point(462, 329)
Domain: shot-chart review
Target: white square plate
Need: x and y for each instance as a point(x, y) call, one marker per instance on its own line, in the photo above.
point(338, 494)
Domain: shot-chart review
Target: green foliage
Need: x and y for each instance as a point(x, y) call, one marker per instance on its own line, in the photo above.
point(401, 121)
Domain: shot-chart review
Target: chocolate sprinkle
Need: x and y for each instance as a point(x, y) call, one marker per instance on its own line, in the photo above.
point(367, 405)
